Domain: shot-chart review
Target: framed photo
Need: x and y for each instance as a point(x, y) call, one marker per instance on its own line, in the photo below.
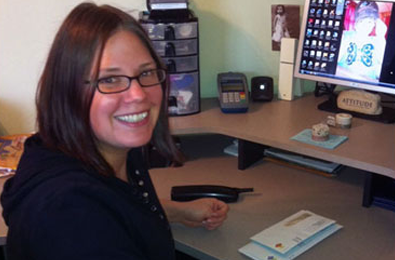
point(285, 23)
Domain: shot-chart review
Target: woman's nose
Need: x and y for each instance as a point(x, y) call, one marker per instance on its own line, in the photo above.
point(135, 91)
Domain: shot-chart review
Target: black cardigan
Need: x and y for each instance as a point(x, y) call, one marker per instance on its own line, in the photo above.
point(57, 210)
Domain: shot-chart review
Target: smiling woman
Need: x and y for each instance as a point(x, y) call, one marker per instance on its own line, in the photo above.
point(82, 188)
point(125, 118)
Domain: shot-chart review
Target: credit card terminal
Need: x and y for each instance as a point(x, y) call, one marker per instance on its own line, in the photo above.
point(233, 92)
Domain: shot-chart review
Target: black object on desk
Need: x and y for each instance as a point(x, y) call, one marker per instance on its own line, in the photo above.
point(262, 88)
point(192, 192)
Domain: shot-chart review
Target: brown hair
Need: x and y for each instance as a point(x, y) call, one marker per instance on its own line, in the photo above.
point(63, 99)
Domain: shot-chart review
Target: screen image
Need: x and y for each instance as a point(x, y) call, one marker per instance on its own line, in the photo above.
point(349, 43)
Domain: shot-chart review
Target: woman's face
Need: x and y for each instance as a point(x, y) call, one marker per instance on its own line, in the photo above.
point(127, 119)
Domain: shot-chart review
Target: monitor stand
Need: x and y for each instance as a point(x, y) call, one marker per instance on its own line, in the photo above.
point(330, 105)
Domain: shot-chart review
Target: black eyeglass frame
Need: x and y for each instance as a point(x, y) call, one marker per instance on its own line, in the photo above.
point(163, 79)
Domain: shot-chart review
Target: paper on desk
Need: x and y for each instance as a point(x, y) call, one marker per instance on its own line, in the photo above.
point(290, 237)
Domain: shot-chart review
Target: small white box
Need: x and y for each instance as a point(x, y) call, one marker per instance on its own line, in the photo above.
point(285, 81)
point(288, 50)
point(288, 86)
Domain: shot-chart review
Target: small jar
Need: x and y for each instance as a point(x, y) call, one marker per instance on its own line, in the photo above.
point(343, 120)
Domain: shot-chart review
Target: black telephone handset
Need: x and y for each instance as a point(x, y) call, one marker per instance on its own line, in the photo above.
point(192, 192)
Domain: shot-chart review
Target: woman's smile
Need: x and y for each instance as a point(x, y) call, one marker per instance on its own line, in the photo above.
point(133, 118)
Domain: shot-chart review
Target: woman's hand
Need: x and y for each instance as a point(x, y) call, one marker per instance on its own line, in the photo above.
point(207, 212)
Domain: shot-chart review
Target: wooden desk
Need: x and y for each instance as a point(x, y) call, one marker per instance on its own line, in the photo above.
point(279, 191)
point(370, 147)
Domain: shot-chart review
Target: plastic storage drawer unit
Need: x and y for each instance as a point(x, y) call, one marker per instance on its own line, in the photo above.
point(175, 39)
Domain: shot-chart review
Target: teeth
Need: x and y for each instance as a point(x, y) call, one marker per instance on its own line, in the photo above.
point(133, 118)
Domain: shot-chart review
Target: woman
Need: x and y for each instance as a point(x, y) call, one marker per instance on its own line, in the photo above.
point(82, 190)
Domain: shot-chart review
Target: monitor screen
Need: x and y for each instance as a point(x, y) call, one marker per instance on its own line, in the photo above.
point(348, 43)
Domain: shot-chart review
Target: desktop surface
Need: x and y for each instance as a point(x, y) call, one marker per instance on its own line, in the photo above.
point(370, 145)
point(279, 191)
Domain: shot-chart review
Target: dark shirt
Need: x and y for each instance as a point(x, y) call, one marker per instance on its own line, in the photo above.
point(56, 209)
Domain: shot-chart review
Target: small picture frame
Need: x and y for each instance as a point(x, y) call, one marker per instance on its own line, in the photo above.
point(285, 23)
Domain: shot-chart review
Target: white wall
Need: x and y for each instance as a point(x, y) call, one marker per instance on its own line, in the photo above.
point(234, 35)
point(27, 28)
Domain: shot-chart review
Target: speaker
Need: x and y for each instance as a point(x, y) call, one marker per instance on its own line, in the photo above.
point(288, 86)
point(261, 89)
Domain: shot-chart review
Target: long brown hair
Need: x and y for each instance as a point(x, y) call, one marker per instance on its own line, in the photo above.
point(63, 99)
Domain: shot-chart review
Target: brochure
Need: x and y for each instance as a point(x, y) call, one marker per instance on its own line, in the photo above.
point(290, 237)
point(11, 149)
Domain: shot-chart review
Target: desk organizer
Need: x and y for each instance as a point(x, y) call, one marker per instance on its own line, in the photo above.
point(175, 38)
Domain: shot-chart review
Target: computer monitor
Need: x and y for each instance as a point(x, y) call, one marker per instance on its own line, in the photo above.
point(348, 43)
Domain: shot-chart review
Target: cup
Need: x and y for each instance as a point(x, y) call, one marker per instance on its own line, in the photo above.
point(343, 120)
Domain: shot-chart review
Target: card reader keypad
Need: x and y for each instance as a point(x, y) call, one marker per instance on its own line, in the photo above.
point(231, 97)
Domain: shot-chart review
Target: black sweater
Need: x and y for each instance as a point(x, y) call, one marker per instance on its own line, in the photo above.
point(57, 210)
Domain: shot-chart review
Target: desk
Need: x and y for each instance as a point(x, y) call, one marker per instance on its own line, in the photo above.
point(279, 191)
point(370, 147)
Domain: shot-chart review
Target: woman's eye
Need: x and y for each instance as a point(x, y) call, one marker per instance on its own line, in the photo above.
point(147, 73)
point(109, 80)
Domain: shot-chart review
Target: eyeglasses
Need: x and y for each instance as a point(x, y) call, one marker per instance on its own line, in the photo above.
point(120, 83)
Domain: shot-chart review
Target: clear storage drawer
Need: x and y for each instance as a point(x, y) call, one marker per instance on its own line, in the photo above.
point(171, 31)
point(181, 64)
point(176, 48)
point(184, 96)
